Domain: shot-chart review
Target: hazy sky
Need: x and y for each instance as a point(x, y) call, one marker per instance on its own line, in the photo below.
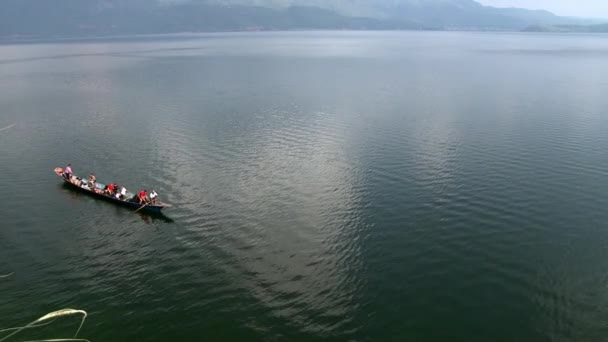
point(578, 8)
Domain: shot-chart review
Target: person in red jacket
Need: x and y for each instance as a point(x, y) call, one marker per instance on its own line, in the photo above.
point(143, 197)
point(110, 189)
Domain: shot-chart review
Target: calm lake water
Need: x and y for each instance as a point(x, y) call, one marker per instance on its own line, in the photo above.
point(343, 186)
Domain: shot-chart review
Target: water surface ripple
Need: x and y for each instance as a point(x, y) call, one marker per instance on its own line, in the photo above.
point(326, 186)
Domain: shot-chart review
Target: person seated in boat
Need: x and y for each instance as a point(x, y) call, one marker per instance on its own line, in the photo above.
point(67, 173)
point(110, 189)
point(76, 181)
point(122, 193)
point(92, 180)
point(153, 197)
point(143, 197)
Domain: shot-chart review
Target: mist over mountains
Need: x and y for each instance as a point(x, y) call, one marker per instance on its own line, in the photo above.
point(77, 18)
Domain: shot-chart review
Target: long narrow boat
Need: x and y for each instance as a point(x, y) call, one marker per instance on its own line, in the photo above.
point(84, 187)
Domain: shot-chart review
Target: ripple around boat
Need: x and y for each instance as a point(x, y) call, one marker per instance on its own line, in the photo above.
point(84, 187)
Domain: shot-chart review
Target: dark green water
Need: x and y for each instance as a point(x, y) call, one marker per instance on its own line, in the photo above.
point(326, 186)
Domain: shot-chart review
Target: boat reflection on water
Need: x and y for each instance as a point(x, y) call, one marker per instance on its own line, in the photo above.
point(151, 217)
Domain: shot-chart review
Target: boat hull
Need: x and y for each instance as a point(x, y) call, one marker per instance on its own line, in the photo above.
point(133, 205)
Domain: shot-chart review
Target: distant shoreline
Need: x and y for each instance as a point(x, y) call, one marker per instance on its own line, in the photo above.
point(193, 35)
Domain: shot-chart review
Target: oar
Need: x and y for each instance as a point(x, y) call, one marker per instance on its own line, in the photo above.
point(141, 207)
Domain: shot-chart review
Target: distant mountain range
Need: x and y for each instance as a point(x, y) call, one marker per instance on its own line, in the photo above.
point(78, 18)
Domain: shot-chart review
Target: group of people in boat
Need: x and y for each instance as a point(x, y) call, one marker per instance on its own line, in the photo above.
point(144, 198)
point(114, 190)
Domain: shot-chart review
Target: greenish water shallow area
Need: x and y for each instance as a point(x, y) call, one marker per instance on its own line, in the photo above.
point(327, 186)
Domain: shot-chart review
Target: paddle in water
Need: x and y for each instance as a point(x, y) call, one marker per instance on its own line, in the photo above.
point(140, 208)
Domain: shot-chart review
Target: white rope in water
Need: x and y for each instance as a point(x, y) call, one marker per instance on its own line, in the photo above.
point(49, 317)
point(7, 127)
point(33, 326)
point(61, 340)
